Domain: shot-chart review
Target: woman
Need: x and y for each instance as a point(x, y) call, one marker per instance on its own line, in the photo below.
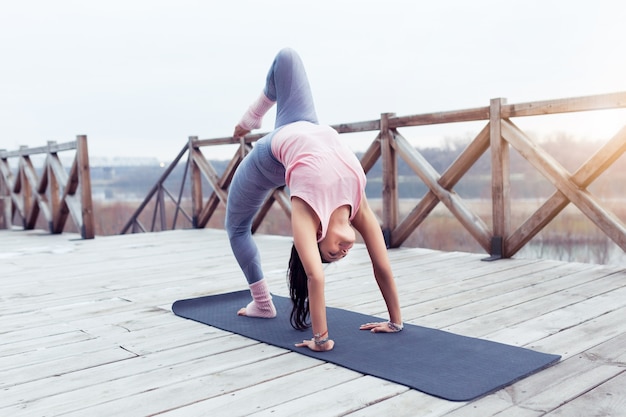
point(327, 190)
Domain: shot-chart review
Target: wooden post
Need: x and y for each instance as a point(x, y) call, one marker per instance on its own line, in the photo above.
point(162, 213)
point(500, 181)
point(24, 189)
point(30, 178)
point(84, 178)
point(5, 200)
point(53, 184)
point(390, 178)
point(196, 184)
point(5, 212)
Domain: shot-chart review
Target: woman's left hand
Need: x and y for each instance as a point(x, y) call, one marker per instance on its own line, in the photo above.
point(382, 327)
point(240, 132)
point(315, 347)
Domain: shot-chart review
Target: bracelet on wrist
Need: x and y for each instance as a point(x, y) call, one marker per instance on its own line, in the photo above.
point(320, 342)
point(395, 326)
point(320, 335)
point(320, 339)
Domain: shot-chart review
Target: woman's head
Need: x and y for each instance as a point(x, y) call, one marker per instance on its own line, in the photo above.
point(339, 239)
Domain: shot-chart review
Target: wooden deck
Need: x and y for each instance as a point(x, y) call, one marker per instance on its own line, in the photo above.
point(86, 329)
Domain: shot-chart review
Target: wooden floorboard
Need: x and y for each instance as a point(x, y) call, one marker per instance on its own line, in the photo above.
point(86, 328)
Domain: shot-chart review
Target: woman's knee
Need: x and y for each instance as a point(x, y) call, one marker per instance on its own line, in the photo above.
point(287, 55)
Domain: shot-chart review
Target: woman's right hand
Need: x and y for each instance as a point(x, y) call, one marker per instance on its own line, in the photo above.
point(310, 343)
point(240, 132)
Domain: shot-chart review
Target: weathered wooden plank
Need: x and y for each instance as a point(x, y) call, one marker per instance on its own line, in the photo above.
point(500, 181)
point(69, 360)
point(566, 331)
point(51, 147)
point(86, 225)
point(565, 105)
point(283, 383)
point(604, 400)
point(409, 404)
point(31, 339)
point(454, 116)
point(101, 395)
point(354, 395)
point(390, 177)
point(365, 126)
point(38, 359)
point(46, 391)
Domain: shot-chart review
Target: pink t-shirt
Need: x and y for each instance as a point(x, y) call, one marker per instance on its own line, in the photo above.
point(320, 169)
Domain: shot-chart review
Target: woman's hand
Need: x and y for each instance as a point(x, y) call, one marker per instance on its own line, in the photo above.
point(240, 132)
point(315, 347)
point(382, 327)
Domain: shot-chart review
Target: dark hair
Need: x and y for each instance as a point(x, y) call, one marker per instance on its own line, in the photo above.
point(298, 292)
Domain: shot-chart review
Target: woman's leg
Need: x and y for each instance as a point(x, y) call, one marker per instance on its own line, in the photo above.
point(256, 176)
point(287, 84)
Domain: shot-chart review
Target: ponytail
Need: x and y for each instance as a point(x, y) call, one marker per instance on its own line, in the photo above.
point(298, 292)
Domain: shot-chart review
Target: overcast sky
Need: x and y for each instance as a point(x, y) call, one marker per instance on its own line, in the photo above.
point(140, 76)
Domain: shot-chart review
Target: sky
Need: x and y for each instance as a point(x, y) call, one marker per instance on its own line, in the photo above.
point(138, 77)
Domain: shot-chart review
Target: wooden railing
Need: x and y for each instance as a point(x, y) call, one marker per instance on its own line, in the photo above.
point(54, 192)
point(498, 135)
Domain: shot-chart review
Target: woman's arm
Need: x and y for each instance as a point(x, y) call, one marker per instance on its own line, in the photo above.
point(366, 224)
point(304, 224)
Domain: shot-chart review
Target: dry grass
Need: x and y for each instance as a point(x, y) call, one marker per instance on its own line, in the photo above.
point(570, 236)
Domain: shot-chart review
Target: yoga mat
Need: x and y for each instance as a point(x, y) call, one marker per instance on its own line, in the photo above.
point(439, 363)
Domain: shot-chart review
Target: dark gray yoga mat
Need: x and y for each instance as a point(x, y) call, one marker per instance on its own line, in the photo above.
point(443, 364)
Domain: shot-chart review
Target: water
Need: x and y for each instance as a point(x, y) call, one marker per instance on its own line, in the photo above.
point(607, 253)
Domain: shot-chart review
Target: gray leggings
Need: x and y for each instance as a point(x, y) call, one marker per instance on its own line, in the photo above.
point(260, 172)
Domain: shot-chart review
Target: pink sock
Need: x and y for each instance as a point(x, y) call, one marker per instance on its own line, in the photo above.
point(261, 305)
point(252, 118)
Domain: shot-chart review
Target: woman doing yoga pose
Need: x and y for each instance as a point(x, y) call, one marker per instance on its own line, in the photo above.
point(327, 190)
